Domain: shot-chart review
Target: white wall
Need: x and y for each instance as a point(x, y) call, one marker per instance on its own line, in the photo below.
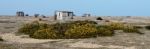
point(59, 15)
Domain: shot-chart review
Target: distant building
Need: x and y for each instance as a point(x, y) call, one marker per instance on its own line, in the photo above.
point(36, 15)
point(27, 15)
point(86, 15)
point(43, 16)
point(20, 13)
point(63, 15)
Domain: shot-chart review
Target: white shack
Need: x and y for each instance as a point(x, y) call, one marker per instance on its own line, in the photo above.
point(63, 15)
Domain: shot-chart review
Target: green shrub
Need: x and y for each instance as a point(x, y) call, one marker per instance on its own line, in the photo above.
point(44, 34)
point(81, 31)
point(58, 30)
point(116, 26)
point(1, 39)
point(83, 22)
point(147, 27)
point(120, 26)
point(61, 27)
point(99, 18)
point(75, 29)
point(104, 31)
point(30, 28)
point(138, 27)
point(131, 29)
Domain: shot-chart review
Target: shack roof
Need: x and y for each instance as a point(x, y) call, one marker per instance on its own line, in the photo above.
point(65, 11)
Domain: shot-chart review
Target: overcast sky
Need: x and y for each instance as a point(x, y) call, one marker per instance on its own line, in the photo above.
point(95, 7)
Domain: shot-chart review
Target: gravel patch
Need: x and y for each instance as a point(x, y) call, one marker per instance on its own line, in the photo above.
point(10, 37)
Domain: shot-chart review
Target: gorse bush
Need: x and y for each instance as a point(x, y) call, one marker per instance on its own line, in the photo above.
point(81, 31)
point(1, 39)
point(120, 26)
point(130, 29)
point(147, 27)
point(104, 31)
point(30, 28)
point(58, 30)
point(138, 27)
point(99, 18)
point(115, 26)
point(83, 22)
point(61, 27)
point(73, 30)
point(44, 34)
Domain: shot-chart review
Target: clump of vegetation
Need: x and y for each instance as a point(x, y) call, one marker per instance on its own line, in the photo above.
point(44, 34)
point(36, 15)
point(81, 31)
point(30, 28)
point(138, 27)
point(73, 30)
point(83, 22)
point(147, 27)
point(60, 28)
point(130, 29)
point(99, 18)
point(1, 39)
point(115, 26)
point(126, 28)
point(104, 31)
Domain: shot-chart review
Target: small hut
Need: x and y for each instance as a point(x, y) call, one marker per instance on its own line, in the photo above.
point(86, 15)
point(20, 13)
point(36, 15)
point(63, 15)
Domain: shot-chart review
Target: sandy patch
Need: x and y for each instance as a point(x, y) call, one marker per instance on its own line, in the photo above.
point(9, 37)
point(90, 45)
